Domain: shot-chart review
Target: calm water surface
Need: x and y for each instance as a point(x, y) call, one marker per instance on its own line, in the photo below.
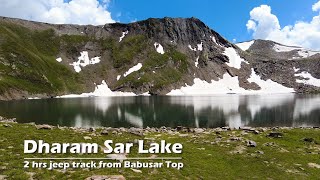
point(210, 112)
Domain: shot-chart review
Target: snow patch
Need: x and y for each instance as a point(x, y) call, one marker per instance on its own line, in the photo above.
point(197, 62)
point(225, 85)
point(213, 39)
point(123, 35)
point(303, 53)
point(118, 77)
point(59, 59)
point(159, 48)
point(234, 59)
point(283, 48)
point(308, 79)
point(245, 45)
point(101, 90)
point(192, 49)
point(133, 69)
point(307, 53)
point(230, 85)
point(200, 46)
point(84, 61)
point(268, 86)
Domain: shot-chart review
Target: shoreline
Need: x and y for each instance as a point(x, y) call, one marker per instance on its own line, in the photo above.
point(162, 129)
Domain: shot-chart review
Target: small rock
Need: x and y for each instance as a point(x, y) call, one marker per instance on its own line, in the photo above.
point(104, 177)
point(136, 170)
point(44, 126)
point(92, 129)
point(179, 128)
point(183, 135)
point(7, 125)
point(87, 138)
point(153, 156)
point(314, 165)
point(260, 152)
point(119, 157)
point(251, 144)
point(235, 139)
point(3, 177)
point(135, 141)
point(104, 132)
point(198, 130)
point(275, 135)
point(308, 140)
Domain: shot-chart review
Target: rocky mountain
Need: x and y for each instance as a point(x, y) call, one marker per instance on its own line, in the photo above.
point(173, 56)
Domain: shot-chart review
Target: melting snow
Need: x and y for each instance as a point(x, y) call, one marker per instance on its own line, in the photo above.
point(59, 59)
point(101, 91)
point(197, 62)
point(303, 53)
point(192, 49)
point(268, 86)
point(123, 35)
point(213, 39)
point(229, 85)
point(283, 48)
point(159, 48)
point(133, 69)
point(118, 77)
point(84, 61)
point(306, 53)
point(234, 59)
point(200, 46)
point(225, 85)
point(308, 78)
point(245, 45)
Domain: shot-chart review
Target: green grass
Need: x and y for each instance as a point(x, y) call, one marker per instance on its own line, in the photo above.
point(125, 51)
point(158, 69)
point(288, 158)
point(28, 61)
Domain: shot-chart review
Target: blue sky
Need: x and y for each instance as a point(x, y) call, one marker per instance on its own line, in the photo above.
point(228, 17)
point(290, 22)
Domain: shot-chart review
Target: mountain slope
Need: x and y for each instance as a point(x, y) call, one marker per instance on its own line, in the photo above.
point(155, 56)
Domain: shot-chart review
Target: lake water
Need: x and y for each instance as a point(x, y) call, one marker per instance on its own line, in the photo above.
point(212, 111)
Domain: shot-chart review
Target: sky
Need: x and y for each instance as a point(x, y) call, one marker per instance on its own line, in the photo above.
point(291, 22)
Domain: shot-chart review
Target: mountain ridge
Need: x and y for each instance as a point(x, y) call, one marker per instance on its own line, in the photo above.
point(162, 54)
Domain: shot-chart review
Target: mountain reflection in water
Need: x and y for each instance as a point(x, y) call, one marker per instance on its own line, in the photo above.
point(156, 111)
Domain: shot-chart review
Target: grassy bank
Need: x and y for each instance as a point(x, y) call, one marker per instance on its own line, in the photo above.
point(209, 154)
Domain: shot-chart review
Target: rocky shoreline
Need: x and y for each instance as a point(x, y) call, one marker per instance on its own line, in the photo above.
point(163, 129)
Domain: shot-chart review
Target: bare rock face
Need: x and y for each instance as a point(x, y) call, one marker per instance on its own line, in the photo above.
point(189, 49)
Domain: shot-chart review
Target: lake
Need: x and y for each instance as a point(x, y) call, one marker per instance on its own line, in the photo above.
point(290, 110)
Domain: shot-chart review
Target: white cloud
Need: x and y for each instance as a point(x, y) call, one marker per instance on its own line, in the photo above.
point(265, 25)
point(58, 11)
point(316, 6)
